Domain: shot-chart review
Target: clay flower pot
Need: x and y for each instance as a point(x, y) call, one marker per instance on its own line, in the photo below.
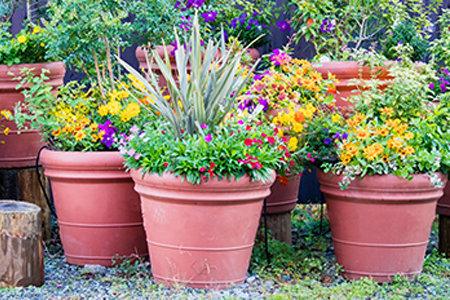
point(283, 198)
point(20, 150)
point(99, 213)
point(345, 71)
point(380, 225)
point(443, 205)
point(200, 235)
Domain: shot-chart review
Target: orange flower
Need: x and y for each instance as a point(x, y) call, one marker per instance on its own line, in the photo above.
point(309, 22)
point(362, 134)
point(351, 149)
point(283, 180)
point(387, 111)
point(345, 158)
point(299, 117)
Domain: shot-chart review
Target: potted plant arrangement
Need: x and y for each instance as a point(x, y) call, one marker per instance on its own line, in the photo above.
point(98, 211)
point(339, 29)
point(440, 52)
point(383, 167)
point(25, 50)
point(289, 91)
point(202, 175)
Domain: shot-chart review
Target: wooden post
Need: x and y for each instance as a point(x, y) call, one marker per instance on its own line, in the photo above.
point(22, 184)
point(444, 235)
point(21, 249)
point(279, 225)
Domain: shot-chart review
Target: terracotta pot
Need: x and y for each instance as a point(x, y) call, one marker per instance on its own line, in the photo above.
point(20, 150)
point(141, 57)
point(283, 198)
point(443, 205)
point(380, 225)
point(200, 235)
point(99, 213)
point(345, 71)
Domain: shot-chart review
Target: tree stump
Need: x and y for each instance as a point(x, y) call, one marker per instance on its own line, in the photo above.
point(22, 184)
point(279, 225)
point(21, 249)
point(444, 235)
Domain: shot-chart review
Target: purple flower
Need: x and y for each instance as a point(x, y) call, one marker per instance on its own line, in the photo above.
point(264, 103)
point(327, 26)
point(327, 141)
point(208, 138)
point(443, 87)
point(204, 126)
point(399, 43)
point(284, 26)
point(108, 131)
point(431, 86)
point(344, 136)
point(336, 135)
point(248, 105)
point(209, 16)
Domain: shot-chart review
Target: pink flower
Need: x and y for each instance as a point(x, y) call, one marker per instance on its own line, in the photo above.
point(240, 122)
point(137, 156)
point(131, 152)
point(308, 155)
point(204, 126)
point(208, 138)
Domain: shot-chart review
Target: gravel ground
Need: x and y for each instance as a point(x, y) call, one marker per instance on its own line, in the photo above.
point(64, 281)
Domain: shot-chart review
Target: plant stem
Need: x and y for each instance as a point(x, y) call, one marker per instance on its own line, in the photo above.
point(99, 77)
point(108, 59)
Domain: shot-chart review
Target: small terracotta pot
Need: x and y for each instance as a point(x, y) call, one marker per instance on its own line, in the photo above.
point(443, 205)
point(345, 71)
point(380, 225)
point(99, 213)
point(200, 235)
point(20, 150)
point(283, 198)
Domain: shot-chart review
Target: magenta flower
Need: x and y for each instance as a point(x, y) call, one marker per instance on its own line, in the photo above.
point(204, 126)
point(431, 86)
point(208, 138)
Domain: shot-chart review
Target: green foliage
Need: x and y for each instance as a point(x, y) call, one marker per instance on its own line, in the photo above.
point(27, 47)
point(337, 27)
point(440, 47)
point(128, 265)
point(203, 93)
point(405, 33)
point(7, 9)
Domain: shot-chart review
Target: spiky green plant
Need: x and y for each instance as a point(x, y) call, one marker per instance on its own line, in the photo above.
point(202, 90)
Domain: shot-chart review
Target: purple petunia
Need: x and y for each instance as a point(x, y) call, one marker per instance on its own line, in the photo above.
point(208, 138)
point(431, 86)
point(264, 103)
point(108, 131)
point(327, 141)
point(209, 16)
point(284, 25)
point(327, 26)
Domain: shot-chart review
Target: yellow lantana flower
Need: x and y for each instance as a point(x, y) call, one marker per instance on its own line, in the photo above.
point(292, 145)
point(6, 131)
point(21, 39)
point(114, 107)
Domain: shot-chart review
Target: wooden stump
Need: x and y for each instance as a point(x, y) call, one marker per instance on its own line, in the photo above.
point(279, 225)
point(22, 184)
point(21, 249)
point(444, 235)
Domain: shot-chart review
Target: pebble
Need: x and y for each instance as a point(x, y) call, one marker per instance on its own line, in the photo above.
point(94, 269)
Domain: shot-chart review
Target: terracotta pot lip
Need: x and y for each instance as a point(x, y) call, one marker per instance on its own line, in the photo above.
point(421, 179)
point(169, 181)
point(82, 160)
point(53, 66)
point(57, 72)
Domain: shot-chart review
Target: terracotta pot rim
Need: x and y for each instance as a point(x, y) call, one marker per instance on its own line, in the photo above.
point(77, 160)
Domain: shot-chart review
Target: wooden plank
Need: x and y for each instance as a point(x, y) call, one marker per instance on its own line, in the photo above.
point(23, 184)
point(279, 225)
point(444, 235)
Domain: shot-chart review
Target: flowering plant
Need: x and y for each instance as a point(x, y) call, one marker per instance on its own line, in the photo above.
point(194, 135)
point(78, 118)
point(27, 47)
point(290, 92)
point(336, 27)
point(391, 130)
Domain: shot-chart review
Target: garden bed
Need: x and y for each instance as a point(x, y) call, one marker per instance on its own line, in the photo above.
point(305, 270)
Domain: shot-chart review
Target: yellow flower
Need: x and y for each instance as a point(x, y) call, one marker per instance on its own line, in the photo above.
point(42, 44)
point(6, 131)
point(133, 109)
point(371, 152)
point(351, 149)
point(21, 39)
point(335, 118)
point(36, 29)
point(103, 110)
point(292, 145)
point(114, 107)
point(93, 126)
point(408, 150)
point(394, 143)
point(383, 131)
point(79, 135)
point(298, 127)
point(387, 111)
point(6, 114)
point(409, 135)
point(345, 158)
point(362, 134)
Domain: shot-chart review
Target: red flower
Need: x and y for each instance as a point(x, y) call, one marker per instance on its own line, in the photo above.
point(263, 134)
point(212, 165)
point(166, 164)
point(202, 169)
point(271, 140)
point(248, 142)
point(283, 180)
point(249, 128)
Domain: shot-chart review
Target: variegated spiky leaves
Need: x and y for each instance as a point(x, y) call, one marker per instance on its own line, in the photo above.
point(202, 89)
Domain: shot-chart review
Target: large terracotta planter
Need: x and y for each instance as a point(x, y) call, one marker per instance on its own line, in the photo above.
point(20, 150)
point(345, 71)
point(443, 205)
point(200, 235)
point(99, 214)
point(283, 198)
point(380, 225)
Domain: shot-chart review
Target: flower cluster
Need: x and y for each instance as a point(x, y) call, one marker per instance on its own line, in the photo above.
point(28, 46)
point(232, 150)
point(389, 131)
point(290, 93)
point(4, 114)
point(442, 84)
